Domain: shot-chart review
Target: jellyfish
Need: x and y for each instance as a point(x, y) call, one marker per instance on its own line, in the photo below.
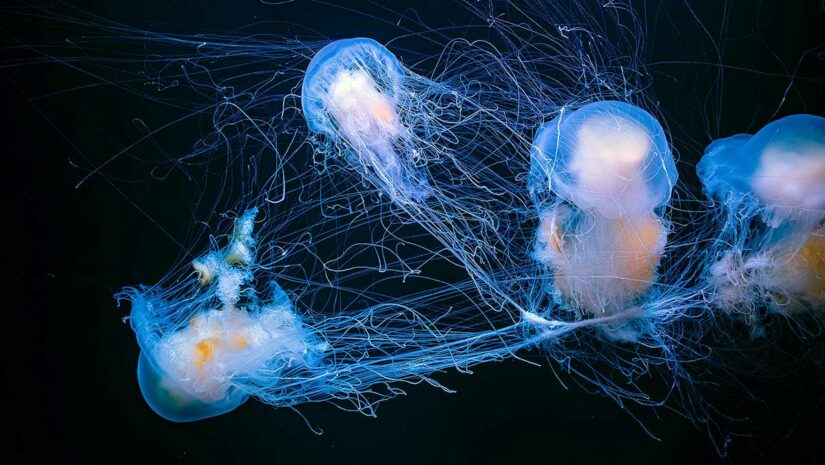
point(353, 89)
point(413, 139)
point(769, 190)
point(187, 365)
point(445, 154)
point(600, 177)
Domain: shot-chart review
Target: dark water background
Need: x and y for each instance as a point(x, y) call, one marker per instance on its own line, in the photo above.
point(69, 388)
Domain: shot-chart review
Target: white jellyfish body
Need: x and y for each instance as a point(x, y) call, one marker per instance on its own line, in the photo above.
point(198, 358)
point(600, 176)
point(611, 158)
point(190, 373)
point(351, 94)
point(771, 192)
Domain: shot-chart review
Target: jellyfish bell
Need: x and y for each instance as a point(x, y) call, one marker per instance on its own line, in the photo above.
point(174, 401)
point(352, 75)
point(609, 157)
point(175, 367)
point(782, 165)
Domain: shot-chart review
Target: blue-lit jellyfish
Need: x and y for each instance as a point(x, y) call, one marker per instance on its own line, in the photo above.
point(770, 189)
point(440, 151)
point(353, 89)
point(197, 357)
point(600, 177)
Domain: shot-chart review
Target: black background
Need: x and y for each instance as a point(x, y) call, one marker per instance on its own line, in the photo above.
point(69, 388)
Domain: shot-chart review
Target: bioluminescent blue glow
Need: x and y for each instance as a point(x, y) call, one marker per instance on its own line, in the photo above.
point(551, 242)
point(427, 146)
point(366, 217)
point(353, 88)
point(601, 176)
point(563, 229)
point(769, 189)
point(213, 340)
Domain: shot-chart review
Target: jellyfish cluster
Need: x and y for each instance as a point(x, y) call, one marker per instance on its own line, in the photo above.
point(400, 215)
